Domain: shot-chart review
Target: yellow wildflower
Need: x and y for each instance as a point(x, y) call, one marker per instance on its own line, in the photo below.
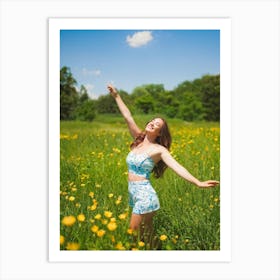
point(94, 228)
point(108, 214)
point(163, 237)
point(81, 217)
point(93, 207)
point(62, 239)
point(119, 200)
point(141, 244)
point(97, 217)
point(68, 221)
point(110, 195)
point(104, 222)
point(112, 226)
point(101, 232)
point(122, 216)
point(130, 231)
point(91, 194)
point(71, 198)
point(119, 246)
point(73, 246)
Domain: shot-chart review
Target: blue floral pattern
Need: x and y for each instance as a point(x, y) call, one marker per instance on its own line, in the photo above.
point(140, 164)
point(142, 197)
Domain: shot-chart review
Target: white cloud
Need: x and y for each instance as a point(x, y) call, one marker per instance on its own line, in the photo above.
point(90, 91)
point(94, 73)
point(139, 39)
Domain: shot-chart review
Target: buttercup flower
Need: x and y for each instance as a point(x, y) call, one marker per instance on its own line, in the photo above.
point(163, 237)
point(62, 239)
point(94, 228)
point(81, 217)
point(101, 232)
point(112, 226)
point(108, 214)
point(68, 221)
point(119, 246)
point(97, 217)
point(73, 246)
point(122, 216)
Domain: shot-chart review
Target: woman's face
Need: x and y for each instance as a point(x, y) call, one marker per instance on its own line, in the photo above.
point(154, 126)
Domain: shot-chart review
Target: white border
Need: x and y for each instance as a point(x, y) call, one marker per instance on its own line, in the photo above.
point(222, 24)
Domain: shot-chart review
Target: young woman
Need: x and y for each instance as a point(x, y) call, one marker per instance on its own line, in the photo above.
point(149, 153)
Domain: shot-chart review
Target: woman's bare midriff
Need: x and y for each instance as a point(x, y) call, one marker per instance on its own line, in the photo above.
point(134, 177)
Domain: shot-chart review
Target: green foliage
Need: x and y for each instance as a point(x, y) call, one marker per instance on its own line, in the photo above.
point(211, 97)
point(197, 100)
point(86, 111)
point(191, 109)
point(68, 94)
point(74, 105)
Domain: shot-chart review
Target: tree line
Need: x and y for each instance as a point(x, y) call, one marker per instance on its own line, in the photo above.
point(197, 100)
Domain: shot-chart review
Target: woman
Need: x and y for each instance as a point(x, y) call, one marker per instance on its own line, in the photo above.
point(149, 153)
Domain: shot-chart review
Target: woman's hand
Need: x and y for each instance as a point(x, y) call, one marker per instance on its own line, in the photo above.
point(112, 90)
point(208, 184)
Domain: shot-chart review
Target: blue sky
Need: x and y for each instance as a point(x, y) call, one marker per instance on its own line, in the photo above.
point(131, 58)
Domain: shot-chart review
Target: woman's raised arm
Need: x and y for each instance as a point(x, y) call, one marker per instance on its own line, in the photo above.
point(183, 172)
point(132, 126)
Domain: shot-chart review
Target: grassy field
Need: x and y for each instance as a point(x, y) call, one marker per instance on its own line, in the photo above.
point(94, 210)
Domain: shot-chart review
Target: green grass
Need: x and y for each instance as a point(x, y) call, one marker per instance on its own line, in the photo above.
point(93, 180)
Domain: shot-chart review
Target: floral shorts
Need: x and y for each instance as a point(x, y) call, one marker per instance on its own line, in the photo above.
point(142, 197)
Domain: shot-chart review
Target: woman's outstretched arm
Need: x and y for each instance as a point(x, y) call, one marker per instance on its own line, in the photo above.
point(132, 126)
point(183, 172)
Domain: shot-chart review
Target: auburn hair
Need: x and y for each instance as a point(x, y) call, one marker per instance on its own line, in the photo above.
point(164, 139)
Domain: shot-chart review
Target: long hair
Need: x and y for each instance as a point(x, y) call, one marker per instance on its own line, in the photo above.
point(164, 139)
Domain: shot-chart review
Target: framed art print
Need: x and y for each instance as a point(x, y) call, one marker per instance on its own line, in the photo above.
point(177, 69)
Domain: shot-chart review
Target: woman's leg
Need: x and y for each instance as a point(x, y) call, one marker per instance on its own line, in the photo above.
point(148, 229)
point(143, 223)
point(135, 221)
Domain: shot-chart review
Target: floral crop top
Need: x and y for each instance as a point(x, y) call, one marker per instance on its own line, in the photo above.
point(140, 164)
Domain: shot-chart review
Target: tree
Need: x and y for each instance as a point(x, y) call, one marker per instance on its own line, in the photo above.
point(83, 94)
point(144, 101)
point(86, 111)
point(68, 94)
point(145, 104)
point(210, 90)
point(191, 109)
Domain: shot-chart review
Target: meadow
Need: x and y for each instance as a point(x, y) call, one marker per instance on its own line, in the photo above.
point(94, 212)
